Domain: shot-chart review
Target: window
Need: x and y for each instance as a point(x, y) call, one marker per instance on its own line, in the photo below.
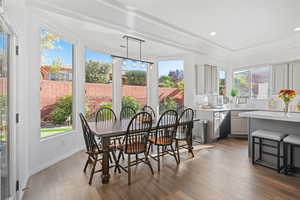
point(98, 82)
point(222, 83)
point(254, 83)
point(55, 89)
point(171, 84)
point(134, 84)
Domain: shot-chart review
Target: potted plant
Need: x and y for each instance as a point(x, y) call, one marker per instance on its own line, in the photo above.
point(233, 93)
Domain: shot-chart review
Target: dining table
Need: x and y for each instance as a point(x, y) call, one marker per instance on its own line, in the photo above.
point(105, 130)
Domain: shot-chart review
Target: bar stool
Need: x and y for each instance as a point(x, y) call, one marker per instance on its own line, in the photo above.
point(264, 135)
point(291, 141)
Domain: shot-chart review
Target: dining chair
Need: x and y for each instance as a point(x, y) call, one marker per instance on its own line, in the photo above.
point(127, 112)
point(93, 150)
point(135, 142)
point(187, 116)
point(164, 136)
point(105, 115)
point(150, 110)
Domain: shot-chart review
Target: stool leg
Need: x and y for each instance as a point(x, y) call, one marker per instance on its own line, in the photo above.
point(260, 149)
point(278, 157)
point(285, 158)
point(253, 149)
point(292, 156)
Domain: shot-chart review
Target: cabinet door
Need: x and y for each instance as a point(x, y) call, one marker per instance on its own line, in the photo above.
point(200, 84)
point(239, 126)
point(214, 80)
point(279, 78)
point(294, 80)
point(207, 79)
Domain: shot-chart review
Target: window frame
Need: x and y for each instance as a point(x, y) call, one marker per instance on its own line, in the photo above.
point(250, 70)
point(75, 79)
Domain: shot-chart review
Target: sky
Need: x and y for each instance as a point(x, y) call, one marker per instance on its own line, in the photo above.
point(63, 50)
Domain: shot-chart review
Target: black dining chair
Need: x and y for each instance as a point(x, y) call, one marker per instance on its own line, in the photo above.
point(187, 116)
point(135, 142)
point(93, 150)
point(127, 112)
point(105, 115)
point(150, 110)
point(164, 136)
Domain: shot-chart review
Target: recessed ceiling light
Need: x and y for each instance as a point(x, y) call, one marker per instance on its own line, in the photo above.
point(213, 33)
point(297, 29)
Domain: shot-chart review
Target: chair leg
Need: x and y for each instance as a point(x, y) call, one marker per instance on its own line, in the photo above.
point(148, 163)
point(177, 148)
point(174, 154)
point(148, 150)
point(158, 158)
point(129, 170)
point(93, 171)
point(116, 162)
point(86, 164)
point(190, 147)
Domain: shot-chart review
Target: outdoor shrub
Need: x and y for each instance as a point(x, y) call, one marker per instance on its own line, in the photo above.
point(130, 102)
point(167, 103)
point(62, 110)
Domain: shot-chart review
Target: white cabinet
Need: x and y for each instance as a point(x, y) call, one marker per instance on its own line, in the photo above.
point(206, 80)
point(294, 76)
point(239, 126)
point(279, 77)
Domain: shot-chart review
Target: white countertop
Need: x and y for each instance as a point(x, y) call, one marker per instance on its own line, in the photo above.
point(280, 116)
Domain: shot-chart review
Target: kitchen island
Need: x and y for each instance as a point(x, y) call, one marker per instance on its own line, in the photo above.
point(273, 121)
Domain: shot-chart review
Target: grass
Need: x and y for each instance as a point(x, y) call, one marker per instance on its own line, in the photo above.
point(45, 132)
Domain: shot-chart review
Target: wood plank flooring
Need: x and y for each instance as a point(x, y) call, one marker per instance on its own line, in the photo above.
point(220, 173)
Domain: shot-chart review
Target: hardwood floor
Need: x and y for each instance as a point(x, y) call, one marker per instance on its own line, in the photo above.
point(220, 173)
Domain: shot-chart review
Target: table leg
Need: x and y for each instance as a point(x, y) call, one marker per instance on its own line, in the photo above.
point(105, 162)
point(190, 137)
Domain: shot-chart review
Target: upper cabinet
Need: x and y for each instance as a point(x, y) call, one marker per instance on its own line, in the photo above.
point(294, 74)
point(279, 77)
point(206, 79)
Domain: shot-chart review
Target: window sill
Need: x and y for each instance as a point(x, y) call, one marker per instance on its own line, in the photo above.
point(56, 135)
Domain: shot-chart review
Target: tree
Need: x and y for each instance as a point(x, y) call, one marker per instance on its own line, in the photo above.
point(48, 41)
point(97, 72)
point(167, 103)
point(166, 81)
point(136, 77)
point(62, 110)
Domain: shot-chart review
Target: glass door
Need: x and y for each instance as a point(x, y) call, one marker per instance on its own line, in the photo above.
point(4, 133)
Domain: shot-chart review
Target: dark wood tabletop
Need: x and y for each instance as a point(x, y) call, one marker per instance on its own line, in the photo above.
point(117, 128)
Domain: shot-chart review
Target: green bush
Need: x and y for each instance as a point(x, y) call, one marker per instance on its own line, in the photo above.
point(167, 103)
point(130, 102)
point(62, 110)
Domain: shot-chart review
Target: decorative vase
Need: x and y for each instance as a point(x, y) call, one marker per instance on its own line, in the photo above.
point(286, 107)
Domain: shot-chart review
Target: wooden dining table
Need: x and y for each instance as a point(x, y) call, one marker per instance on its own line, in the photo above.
point(106, 130)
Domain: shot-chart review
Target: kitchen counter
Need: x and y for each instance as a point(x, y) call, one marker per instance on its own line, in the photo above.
point(280, 116)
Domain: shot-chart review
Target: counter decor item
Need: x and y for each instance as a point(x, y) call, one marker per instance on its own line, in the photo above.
point(286, 95)
point(234, 93)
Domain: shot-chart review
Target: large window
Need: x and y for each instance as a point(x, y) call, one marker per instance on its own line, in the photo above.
point(98, 82)
point(171, 84)
point(254, 83)
point(134, 84)
point(222, 83)
point(56, 84)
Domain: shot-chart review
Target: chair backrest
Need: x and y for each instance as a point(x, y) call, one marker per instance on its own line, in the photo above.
point(167, 127)
point(186, 116)
point(105, 115)
point(127, 112)
point(89, 138)
point(180, 108)
point(150, 110)
point(137, 134)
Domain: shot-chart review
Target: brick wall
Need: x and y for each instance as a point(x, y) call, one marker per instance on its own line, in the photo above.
point(96, 93)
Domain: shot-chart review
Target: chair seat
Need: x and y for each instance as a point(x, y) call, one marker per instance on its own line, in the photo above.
point(133, 148)
point(161, 140)
point(271, 135)
point(292, 139)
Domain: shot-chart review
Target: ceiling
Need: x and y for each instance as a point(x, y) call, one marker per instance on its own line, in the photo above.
point(175, 27)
